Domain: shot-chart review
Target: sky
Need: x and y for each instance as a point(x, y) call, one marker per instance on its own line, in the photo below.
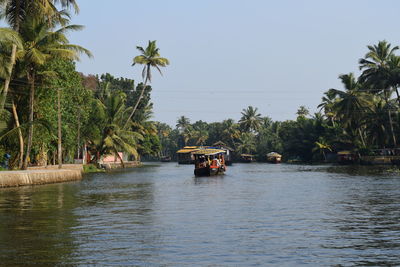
point(226, 55)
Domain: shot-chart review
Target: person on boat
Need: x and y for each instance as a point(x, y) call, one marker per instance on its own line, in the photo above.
point(216, 162)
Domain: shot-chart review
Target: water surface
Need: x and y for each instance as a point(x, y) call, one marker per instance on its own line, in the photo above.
point(161, 215)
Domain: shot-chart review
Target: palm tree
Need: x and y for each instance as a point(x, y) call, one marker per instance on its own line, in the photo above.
point(230, 131)
point(16, 12)
point(350, 104)
point(376, 69)
point(182, 123)
point(246, 144)
point(250, 120)
point(302, 111)
point(7, 37)
point(41, 45)
point(149, 58)
point(322, 145)
point(112, 112)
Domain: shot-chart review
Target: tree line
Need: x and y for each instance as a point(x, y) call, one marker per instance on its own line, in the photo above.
point(39, 85)
point(360, 117)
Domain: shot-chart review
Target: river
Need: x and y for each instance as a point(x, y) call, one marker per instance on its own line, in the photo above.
point(161, 215)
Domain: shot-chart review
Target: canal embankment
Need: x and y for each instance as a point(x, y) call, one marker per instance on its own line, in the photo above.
point(41, 175)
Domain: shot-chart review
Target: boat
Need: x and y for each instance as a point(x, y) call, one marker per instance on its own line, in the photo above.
point(185, 155)
point(274, 157)
point(165, 159)
point(208, 162)
point(346, 157)
point(246, 158)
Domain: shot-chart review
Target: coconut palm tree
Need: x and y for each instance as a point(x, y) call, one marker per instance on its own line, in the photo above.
point(41, 44)
point(250, 120)
point(230, 133)
point(17, 11)
point(149, 58)
point(111, 113)
point(376, 73)
point(182, 123)
point(351, 104)
point(246, 144)
point(7, 37)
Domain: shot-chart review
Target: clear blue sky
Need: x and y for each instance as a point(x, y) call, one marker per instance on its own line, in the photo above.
point(228, 54)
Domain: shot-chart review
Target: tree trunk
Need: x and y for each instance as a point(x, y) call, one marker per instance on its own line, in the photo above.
point(361, 136)
point(10, 68)
point(59, 128)
point(120, 159)
point(79, 134)
point(391, 128)
point(31, 80)
point(8, 79)
point(20, 137)
point(137, 103)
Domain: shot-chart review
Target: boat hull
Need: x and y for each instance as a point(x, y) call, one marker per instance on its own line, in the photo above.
point(209, 171)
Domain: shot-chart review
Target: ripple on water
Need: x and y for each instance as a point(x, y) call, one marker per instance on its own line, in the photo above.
point(256, 214)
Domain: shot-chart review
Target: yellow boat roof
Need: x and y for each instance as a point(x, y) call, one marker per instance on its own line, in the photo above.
point(209, 151)
point(187, 150)
point(344, 152)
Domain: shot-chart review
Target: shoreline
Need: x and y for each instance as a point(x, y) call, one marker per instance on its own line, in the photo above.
point(38, 177)
point(51, 174)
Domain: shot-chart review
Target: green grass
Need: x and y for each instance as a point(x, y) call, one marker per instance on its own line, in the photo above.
point(91, 168)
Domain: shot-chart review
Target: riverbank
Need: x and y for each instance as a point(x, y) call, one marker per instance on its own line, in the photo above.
point(38, 176)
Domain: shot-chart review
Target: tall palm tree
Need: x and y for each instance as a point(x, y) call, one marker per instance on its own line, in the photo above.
point(7, 37)
point(149, 58)
point(114, 137)
point(351, 104)
point(250, 120)
point(41, 44)
point(182, 123)
point(375, 66)
point(17, 11)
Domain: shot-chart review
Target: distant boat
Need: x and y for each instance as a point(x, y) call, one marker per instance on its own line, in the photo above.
point(274, 157)
point(208, 162)
point(185, 155)
point(246, 158)
point(346, 157)
point(165, 159)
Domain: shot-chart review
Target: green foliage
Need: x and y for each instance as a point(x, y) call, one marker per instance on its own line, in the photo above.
point(91, 168)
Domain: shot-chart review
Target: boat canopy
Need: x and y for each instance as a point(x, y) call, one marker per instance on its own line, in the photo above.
point(344, 152)
point(274, 154)
point(209, 151)
point(186, 150)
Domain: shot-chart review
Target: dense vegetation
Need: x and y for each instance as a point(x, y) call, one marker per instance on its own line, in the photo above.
point(39, 84)
point(361, 117)
point(105, 115)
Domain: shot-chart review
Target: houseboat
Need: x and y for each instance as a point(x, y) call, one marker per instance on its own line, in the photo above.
point(274, 157)
point(185, 155)
point(246, 158)
point(208, 162)
point(385, 156)
point(346, 157)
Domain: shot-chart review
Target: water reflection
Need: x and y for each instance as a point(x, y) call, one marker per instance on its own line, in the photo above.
point(36, 224)
point(161, 215)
